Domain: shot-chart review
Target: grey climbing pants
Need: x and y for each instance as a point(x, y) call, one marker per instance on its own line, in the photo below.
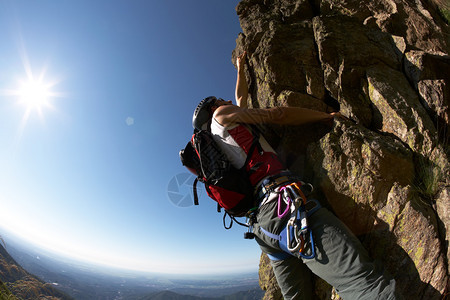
point(340, 260)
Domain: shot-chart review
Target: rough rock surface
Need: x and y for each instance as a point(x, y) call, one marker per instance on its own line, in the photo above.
point(385, 170)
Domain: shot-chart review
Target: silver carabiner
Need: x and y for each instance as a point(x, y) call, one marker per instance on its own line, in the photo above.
point(296, 197)
point(298, 244)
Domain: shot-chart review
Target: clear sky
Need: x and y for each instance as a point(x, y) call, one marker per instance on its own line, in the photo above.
point(87, 167)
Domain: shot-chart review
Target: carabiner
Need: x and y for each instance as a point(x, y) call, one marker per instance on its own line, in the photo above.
point(286, 199)
point(300, 193)
point(302, 216)
point(298, 243)
point(297, 199)
point(313, 251)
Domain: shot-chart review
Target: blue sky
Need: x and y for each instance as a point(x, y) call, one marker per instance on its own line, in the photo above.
point(86, 173)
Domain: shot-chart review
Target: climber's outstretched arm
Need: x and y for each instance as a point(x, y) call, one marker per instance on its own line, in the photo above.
point(228, 115)
point(241, 92)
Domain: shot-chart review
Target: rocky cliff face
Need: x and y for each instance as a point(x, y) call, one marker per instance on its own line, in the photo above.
point(385, 171)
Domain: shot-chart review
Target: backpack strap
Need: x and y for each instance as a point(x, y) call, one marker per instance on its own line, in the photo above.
point(194, 188)
point(232, 219)
point(256, 133)
point(255, 143)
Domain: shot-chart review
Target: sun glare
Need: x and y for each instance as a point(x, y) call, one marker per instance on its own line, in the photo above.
point(34, 94)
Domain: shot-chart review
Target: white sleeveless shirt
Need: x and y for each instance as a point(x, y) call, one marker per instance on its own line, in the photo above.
point(232, 139)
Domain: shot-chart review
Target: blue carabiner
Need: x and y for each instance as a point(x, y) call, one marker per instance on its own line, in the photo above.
point(313, 251)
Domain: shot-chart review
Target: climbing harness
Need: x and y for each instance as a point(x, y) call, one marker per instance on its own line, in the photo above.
point(296, 237)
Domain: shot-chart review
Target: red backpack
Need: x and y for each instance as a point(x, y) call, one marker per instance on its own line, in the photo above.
point(230, 187)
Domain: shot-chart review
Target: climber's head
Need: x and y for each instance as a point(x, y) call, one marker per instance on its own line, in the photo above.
point(204, 111)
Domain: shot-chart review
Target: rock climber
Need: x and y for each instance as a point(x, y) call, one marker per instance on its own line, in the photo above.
point(338, 257)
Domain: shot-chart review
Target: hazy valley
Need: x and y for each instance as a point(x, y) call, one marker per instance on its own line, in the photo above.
point(83, 281)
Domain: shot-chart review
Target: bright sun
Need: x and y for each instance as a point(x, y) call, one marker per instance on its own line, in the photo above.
point(34, 94)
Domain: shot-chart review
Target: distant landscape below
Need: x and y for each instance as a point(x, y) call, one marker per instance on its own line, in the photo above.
point(83, 281)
